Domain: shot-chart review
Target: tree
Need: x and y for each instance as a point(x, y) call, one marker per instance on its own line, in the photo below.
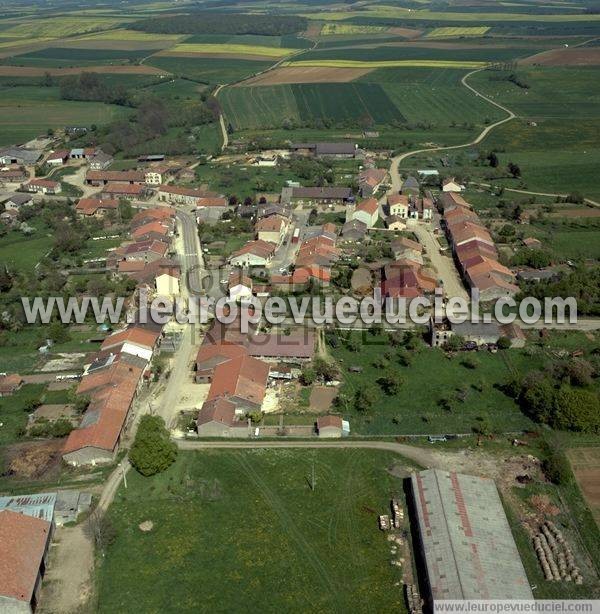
point(576, 410)
point(537, 397)
point(493, 159)
point(308, 376)
point(152, 450)
point(556, 466)
point(58, 333)
point(365, 397)
point(514, 170)
point(390, 383)
point(325, 369)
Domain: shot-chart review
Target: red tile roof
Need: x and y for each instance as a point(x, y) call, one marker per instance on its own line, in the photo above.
point(117, 176)
point(23, 542)
point(43, 183)
point(151, 227)
point(139, 336)
point(370, 206)
point(243, 377)
point(123, 188)
point(206, 201)
point(262, 249)
point(89, 206)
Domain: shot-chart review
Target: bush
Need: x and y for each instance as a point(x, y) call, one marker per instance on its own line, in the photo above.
point(556, 467)
point(503, 343)
point(152, 451)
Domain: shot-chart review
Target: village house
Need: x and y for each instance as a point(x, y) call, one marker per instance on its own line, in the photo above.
point(124, 190)
point(402, 247)
point(157, 175)
point(13, 173)
point(410, 186)
point(451, 185)
point(155, 229)
point(253, 253)
point(58, 158)
point(79, 153)
point(316, 196)
point(354, 231)
point(395, 222)
point(367, 211)
point(146, 251)
point(100, 161)
point(95, 207)
point(239, 285)
point(398, 205)
point(42, 186)
point(179, 195)
point(210, 208)
point(17, 201)
point(272, 229)
point(370, 180)
point(166, 215)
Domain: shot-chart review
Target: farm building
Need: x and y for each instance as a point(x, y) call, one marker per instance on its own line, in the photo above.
point(42, 186)
point(179, 195)
point(19, 155)
point(466, 541)
point(330, 150)
point(367, 212)
point(25, 542)
point(210, 208)
point(100, 161)
point(16, 201)
point(311, 196)
point(332, 427)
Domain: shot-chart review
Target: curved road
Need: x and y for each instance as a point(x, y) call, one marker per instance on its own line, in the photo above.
point(394, 172)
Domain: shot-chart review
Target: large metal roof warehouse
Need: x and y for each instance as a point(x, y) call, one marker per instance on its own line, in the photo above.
point(466, 541)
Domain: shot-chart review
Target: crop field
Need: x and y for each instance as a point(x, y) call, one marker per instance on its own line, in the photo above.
point(114, 69)
point(228, 49)
point(269, 106)
point(131, 35)
point(57, 57)
point(215, 70)
point(387, 64)
point(565, 57)
point(304, 550)
point(291, 74)
point(26, 112)
point(55, 27)
point(457, 32)
point(429, 51)
point(585, 462)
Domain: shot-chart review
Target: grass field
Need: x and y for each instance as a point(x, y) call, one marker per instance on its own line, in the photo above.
point(270, 106)
point(26, 112)
point(292, 550)
point(457, 32)
point(217, 70)
point(229, 49)
point(429, 378)
point(132, 35)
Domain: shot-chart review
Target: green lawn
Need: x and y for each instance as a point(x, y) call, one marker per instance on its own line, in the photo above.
point(21, 252)
point(26, 112)
point(241, 531)
point(430, 378)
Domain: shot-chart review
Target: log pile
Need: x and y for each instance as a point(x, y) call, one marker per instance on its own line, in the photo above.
point(413, 599)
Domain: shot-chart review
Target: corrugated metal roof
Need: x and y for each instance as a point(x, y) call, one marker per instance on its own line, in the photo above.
point(469, 549)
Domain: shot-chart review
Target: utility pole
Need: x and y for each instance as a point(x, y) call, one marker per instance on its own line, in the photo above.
point(124, 474)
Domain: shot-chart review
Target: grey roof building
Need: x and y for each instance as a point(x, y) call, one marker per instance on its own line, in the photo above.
point(39, 505)
point(466, 540)
point(19, 155)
